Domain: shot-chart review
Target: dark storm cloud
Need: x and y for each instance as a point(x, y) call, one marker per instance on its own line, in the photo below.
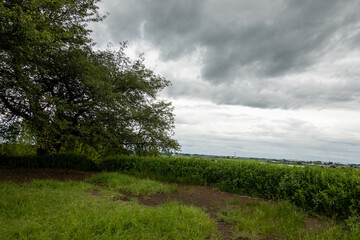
point(275, 37)
point(170, 25)
point(244, 43)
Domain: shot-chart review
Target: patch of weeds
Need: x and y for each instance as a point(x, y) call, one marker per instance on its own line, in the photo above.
point(214, 206)
point(188, 188)
point(258, 220)
point(235, 202)
point(121, 182)
point(263, 219)
point(247, 235)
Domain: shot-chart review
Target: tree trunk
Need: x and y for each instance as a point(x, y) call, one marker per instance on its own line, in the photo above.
point(42, 150)
point(57, 146)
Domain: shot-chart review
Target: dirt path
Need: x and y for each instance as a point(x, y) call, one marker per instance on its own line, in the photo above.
point(207, 198)
point(210, 199)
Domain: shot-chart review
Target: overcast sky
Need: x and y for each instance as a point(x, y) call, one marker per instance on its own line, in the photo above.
point(259, 78)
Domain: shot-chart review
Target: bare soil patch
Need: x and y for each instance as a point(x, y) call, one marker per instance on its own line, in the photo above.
point(207, 198)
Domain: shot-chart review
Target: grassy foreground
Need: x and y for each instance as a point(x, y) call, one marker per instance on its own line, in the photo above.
point(46, 209)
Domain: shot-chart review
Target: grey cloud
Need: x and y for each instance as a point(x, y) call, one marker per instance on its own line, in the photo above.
point(293, 40)
point(246, 45)
point(271, 93)
point(278, 37)
point(173, 26)
point(169, 25)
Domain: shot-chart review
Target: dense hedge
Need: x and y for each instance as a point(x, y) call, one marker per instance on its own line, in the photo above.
point(326, 191)
point(62, 161)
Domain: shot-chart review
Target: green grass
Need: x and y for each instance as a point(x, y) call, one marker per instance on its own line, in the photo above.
point(122, 182)
point(46, 209)
point(259, 220)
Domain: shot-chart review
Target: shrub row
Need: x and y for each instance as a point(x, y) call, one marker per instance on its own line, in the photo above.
point(62, 161)
point(325, 191)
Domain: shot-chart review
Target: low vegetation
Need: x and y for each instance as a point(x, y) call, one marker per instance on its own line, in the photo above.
point(121, 182)
point(61, 161)
point(105, 206)
point(261, 220)
point(325, 192)
point(320, 191)
point(46, 209)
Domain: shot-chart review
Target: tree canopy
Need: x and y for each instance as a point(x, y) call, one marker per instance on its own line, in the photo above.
point(62, 92)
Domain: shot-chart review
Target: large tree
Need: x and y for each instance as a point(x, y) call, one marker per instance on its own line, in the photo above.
point(54, 85)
